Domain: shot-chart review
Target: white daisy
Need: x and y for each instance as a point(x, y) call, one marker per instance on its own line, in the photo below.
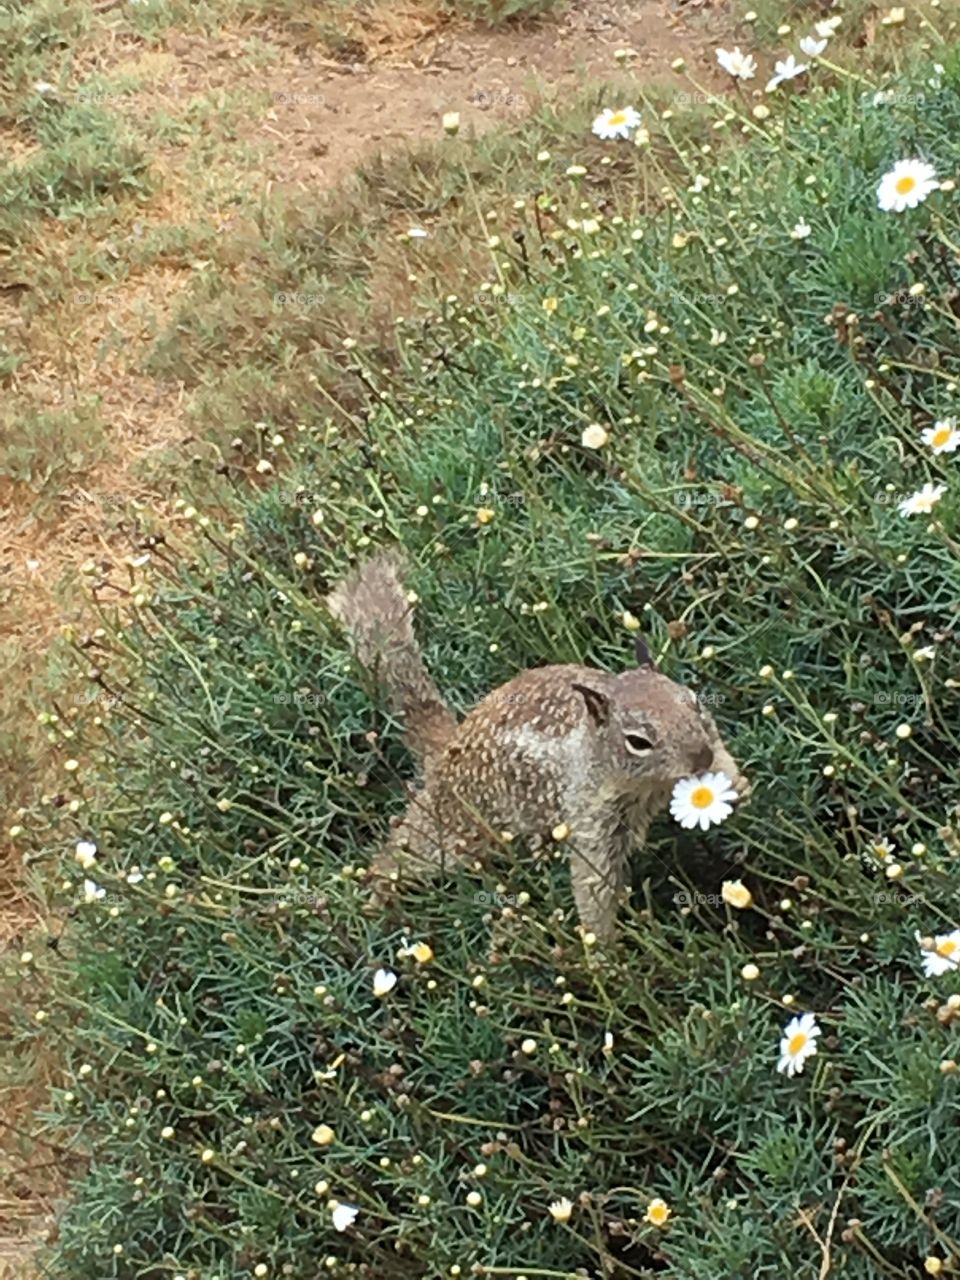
point(788, 69)
point(560, 1210)
point(92, 891)
point(923, 501)
point(344, 1215)
point(798, 1043)
point(742, 66)
point(702, 801)
point(827, 28)
point(943, 436)
point(907, 184)
point(616, 124)
point(86, 853)
point(800, 230)
point(944, 957)
point(882, 849)
point(811, 47)
point(384, 980)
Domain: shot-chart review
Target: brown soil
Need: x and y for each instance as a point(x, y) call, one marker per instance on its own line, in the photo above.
point(326, 118)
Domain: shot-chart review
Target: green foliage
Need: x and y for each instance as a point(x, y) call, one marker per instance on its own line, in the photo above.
point(216, 1004)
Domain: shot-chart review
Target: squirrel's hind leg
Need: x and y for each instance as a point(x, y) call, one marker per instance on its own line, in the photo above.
point(416, 852)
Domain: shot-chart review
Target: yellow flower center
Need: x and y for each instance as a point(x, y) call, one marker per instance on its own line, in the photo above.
point(942, 436)
point(906, 184)
point(617, 117)
point(702, 798)
point(946, 948)
point(797, 1043)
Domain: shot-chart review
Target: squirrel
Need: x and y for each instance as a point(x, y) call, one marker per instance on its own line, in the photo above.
point(563, 748)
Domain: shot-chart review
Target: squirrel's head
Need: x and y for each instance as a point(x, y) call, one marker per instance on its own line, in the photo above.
point(655, 731)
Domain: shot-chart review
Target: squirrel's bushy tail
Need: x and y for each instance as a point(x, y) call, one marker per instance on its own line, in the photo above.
point(372, 607)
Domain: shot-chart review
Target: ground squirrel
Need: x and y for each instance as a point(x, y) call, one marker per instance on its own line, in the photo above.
point(567, 747)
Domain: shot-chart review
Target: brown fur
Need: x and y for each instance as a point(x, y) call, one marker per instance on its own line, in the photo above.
point(555, 746)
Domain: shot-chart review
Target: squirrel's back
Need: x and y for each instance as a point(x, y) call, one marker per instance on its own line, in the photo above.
point(372, 606)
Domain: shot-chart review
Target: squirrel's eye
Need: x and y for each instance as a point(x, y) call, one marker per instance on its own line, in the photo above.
point(637, 744)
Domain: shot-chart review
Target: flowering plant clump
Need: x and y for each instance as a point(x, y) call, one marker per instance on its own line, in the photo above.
point(733, 437)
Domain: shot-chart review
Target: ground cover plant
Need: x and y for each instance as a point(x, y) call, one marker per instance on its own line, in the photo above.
point(712, 420)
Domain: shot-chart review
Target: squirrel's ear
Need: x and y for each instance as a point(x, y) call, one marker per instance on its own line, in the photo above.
point(598, 704)
point(643, 653)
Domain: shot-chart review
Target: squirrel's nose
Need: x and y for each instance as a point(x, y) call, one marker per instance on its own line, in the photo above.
point(704, 759)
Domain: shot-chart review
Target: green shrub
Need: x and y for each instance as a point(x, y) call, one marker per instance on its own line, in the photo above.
point(215, 1006)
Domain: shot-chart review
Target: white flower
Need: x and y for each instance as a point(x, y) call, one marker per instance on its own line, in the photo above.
point(812, 48)
point(92, 891)
point(800, 230)
point(742, 66)
point(717, 337)
point(882, 850)
point(344, 1215)
point(702, 801)
point(44, 87)
point(384, 980)
point(451, 123)
point(907, 184)
point(799, 1042)
point(422, 952)
point(417, 233)
point(736, 894)
point(595, 436)
point(945, 955)
point(134, 875)
point(616, 124)
point(926, 654)
point(943, 436)
point(827, 27)
point(561, 1209)
point(788, 69)
point(86, 853)
point(923, 501)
